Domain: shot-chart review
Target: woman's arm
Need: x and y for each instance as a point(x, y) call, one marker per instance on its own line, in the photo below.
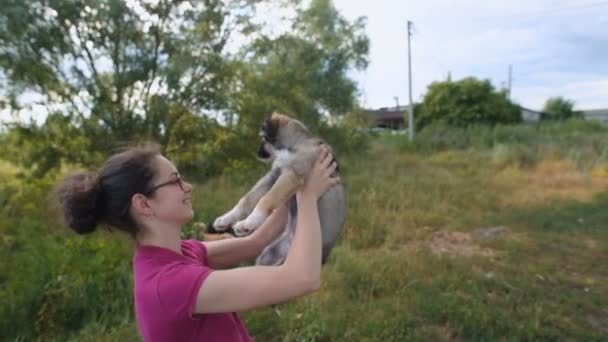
point(229, 252)
point(257, 286)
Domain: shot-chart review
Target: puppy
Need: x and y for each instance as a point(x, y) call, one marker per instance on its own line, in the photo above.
point(292, 149)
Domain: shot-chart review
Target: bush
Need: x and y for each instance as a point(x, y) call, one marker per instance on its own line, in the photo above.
point(53, 282)
point(201, 148)
point(465, 103)
point(558, 108)
point(350, 135)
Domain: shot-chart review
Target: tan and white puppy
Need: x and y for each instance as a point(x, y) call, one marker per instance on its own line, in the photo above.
point(292, 149)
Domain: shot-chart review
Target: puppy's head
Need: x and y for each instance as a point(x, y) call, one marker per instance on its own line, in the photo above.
point(280, 132)
point(270, 136)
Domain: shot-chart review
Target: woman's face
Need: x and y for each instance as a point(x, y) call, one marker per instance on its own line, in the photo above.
point(169, 196)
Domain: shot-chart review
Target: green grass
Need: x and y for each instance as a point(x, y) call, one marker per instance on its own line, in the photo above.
point(545, 279)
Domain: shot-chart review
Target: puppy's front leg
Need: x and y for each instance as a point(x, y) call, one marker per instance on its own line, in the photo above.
point(287, 185)
point(247, 202)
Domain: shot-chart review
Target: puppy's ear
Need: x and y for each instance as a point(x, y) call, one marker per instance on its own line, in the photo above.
point(279, 120)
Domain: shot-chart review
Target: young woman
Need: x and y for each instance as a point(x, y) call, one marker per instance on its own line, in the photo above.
point(182, 290)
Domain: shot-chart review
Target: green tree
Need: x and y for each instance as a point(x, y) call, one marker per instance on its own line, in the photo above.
point(559, 108)
point(112, 72)
point(113, 68)
point(304, 71)
point(466, 102)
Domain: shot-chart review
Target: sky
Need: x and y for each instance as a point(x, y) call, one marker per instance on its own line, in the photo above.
point(555, 47)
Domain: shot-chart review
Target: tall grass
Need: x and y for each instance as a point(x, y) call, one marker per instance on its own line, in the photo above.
point(385, 281)
point(583, 142)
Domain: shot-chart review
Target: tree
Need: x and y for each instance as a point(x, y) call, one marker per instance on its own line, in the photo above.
point(112, 72)
point(112, 68)
point(304, 71)
point(559, 108)
point(466, 102)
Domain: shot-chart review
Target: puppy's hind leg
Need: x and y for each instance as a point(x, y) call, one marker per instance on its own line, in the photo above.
point(275, 253)
point(247, 202)
point(285, 187)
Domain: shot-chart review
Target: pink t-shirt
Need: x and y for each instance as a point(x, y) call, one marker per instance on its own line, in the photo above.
point(166, 287)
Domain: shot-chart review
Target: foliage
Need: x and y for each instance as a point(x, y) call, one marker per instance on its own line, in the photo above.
point(350, 134)
point(40, 149)
point(466, 102)
point(559, 108)
point(201, 148)
point(303, 72)
point(112, 73)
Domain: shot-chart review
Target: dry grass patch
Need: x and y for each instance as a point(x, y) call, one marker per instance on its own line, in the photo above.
point(599, 321)
point(558, 174)
point(549, 180)
point(454, 243)
point(457, 244)
point(600, 171)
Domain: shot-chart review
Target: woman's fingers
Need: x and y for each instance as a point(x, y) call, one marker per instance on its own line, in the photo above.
point(326, 157)
point(331, 169)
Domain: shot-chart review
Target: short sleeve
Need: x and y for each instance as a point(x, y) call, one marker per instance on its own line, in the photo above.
point(197, 250)
point(178, 287)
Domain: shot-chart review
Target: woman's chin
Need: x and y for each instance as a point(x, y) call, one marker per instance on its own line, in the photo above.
point(189, 217)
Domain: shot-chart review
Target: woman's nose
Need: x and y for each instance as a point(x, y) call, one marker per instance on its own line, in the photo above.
point(188, 187)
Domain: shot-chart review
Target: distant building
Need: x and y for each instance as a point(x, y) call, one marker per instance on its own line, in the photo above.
point(393, 117)
point(600, 115)
point(389, 117)
point(529, 115)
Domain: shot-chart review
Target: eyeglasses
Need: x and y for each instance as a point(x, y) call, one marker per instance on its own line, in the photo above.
point(178, 180)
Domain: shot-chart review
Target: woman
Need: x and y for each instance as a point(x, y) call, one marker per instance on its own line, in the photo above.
point(182, 292)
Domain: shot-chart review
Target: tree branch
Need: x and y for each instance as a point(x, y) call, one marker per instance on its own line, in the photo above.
point(90, 59)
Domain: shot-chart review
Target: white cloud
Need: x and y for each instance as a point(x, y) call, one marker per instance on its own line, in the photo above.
point(481, 38)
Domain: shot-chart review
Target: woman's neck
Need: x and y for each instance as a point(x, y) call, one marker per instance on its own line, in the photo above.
point(166, 237)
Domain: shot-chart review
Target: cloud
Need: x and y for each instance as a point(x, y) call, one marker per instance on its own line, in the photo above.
point(557, 48)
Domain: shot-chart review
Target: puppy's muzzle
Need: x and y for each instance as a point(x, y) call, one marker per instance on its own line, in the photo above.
point(263, 152)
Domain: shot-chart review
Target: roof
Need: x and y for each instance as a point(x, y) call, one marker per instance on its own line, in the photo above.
point(386, 113)
point(596, 112)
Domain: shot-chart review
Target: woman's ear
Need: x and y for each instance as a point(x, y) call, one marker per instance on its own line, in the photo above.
point(140, 205)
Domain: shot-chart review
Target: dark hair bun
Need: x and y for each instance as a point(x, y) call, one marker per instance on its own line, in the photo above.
point(79, 195)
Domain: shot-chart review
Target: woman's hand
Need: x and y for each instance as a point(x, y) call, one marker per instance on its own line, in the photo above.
point(320, 180)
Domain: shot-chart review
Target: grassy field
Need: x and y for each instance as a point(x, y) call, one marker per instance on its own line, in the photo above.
point(465, 235)
point(414, 263)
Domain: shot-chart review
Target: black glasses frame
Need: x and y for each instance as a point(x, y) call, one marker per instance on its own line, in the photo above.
point(178, 180)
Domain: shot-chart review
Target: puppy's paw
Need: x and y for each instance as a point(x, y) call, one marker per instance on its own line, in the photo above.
point(240, 229)
point(248, 225)
point(227, 220)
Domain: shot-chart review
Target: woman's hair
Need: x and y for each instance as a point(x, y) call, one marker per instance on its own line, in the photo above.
point(90, 199)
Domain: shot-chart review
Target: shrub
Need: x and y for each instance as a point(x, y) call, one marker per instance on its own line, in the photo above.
point(558, 108)
point(466, 102)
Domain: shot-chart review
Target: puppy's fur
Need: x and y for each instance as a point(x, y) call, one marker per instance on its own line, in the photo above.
point(292, 149)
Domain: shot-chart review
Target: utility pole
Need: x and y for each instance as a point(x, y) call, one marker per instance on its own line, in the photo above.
point(409, 68)
point(509, 82)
